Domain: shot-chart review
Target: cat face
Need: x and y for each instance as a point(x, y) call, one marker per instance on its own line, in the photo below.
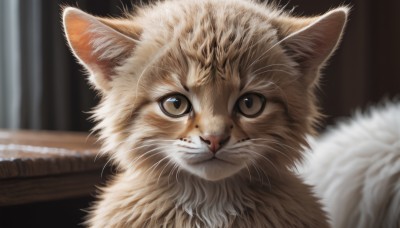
point(210, 125)
point(192, 86)
point(217, 127)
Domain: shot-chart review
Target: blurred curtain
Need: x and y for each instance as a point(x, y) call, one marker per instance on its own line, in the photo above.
point(9, 64)
point(42, 86)
point(38, 86)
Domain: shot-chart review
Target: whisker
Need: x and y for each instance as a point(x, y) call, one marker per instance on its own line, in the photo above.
point(268, 50)
point(189, 153)
point(133, 164)
point(166, 165)
point(97, 155)
point(273, 70)
point(152, 168)
point(275, 150)
point(143, 146)
point(139, 79)
point(148, 152)
point(175, 167)
point(177, 174)
point(102, 170)
point(254, 164)
point(239, 147)
point(248, 170)
point(265, 158)
point(274, 142)
point(267, 66)
point(163, 69)
point(144, 141)
point(282, 92)
point(260, 177)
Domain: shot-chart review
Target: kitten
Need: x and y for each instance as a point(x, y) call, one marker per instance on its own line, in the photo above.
point(205, 107)
point(355, 167)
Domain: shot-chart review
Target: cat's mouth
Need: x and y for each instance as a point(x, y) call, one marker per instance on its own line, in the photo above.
point(213, 159)
point(212, 167)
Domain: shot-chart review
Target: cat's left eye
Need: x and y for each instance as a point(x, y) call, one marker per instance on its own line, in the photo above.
point(251, 104)
point(175, 105)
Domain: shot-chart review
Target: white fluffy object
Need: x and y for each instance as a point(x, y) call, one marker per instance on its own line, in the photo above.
point(355, 168)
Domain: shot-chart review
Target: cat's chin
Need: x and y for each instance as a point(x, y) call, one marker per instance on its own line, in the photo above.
point(212, 169)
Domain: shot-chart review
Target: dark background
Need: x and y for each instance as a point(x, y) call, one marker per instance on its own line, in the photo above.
point(363, 71)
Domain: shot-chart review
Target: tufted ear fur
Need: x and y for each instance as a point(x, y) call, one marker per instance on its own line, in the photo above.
point(311, 41)
point(99, 44)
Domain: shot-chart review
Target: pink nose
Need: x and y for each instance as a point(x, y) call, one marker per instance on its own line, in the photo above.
point(215, 142)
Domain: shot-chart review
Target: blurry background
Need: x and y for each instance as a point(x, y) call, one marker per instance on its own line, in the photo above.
point(42, 86)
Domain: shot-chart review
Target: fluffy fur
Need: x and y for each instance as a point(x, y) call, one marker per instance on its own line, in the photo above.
point(213, 53)
point(356, 169)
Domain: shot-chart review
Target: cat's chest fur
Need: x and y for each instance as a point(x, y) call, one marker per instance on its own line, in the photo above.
point(134, 201)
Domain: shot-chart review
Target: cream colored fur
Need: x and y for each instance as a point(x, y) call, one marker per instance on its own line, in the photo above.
point(355, 167)
point(212, 52)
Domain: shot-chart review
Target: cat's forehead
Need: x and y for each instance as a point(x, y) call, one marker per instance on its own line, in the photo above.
point(219, 40)
point(219, 43)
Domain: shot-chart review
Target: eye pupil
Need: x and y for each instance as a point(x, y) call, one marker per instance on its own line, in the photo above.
point(176, 102)
point(248, 102)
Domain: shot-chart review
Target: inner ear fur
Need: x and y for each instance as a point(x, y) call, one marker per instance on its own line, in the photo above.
point(100, 44)
point(311, 41)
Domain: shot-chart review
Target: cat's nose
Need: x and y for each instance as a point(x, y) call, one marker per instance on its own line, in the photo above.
point(215, 142)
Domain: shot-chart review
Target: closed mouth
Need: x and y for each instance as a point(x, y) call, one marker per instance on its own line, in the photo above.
point(213, 158)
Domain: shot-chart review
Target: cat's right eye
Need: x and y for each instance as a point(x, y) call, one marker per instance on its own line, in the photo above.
point(175, 105)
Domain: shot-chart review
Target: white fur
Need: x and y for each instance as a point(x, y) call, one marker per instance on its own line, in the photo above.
point(356, 169)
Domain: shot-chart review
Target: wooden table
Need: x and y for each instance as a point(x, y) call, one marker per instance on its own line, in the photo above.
point(46, 166)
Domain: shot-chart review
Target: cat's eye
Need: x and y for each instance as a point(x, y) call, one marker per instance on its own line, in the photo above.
point(251, 104)
point(175, 105)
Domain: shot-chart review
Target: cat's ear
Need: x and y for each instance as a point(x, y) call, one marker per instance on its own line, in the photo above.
point(99, 44)
point(311, 41)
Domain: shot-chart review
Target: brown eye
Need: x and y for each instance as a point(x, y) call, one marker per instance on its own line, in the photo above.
point(175, 105)
point(251, 104)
